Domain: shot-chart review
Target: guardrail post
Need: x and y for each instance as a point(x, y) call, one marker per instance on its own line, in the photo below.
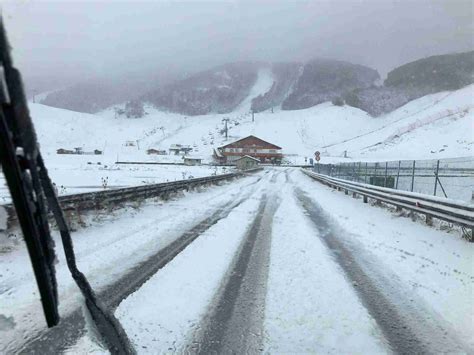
point(413, 176)
point(398, 174)
point(436, 178)
point(429, 220)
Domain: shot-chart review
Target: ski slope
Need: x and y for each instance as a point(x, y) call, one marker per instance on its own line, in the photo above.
point(434, 126)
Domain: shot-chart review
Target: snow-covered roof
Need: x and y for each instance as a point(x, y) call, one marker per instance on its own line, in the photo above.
point(180, 146)
point(218, 153)
point(251, 141)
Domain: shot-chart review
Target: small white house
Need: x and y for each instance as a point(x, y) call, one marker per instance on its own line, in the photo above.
point(192, 160)
point(246, 162)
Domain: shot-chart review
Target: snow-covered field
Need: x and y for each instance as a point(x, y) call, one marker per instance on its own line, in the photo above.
point(84, 173)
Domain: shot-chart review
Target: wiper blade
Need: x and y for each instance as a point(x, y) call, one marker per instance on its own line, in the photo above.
point(32, 192)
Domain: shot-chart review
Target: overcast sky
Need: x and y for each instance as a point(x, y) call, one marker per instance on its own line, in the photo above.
point(82, 39)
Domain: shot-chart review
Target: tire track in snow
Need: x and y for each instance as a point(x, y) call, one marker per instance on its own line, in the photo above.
point(301, 313)
point(235, 321)
point(406, 324)
point(73, 326)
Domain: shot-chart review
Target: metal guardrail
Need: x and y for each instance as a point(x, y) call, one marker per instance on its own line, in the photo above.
point(456, 212)
point(99, 199)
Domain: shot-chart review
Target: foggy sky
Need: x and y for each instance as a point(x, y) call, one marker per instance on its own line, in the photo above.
point(83, 39)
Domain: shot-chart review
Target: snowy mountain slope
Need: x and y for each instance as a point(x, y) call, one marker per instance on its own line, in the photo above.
point(262, 85)
point(434, 126)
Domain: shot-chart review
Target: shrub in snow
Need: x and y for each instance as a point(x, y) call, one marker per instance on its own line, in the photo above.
point(338, 101)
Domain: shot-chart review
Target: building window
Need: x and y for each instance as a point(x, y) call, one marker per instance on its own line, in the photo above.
point(246, 150)
point(272, 151)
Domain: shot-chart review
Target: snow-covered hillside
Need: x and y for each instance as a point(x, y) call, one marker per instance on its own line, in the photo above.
point(434, 126)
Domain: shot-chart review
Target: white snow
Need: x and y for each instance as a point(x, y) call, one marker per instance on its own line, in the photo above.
point(432, 127)
point(262, 85)
point(309, 303)
point(310, 306)
point(434, 265)
point(163, 314)
point(112, 243)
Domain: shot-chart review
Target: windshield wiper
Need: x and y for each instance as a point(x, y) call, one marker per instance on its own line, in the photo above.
point(32, 193)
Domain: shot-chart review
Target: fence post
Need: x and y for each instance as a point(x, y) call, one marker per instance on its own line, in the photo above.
point(375, 174)
point(412, 176)
point(398, 174)
point(385, 178)
point(366, 172)
point(436, 178)
point(358, 173)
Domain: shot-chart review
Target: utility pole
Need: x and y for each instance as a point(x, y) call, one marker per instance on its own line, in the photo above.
point(253, 116)
point(225, 120)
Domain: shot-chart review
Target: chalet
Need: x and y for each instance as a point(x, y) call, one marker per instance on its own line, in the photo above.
point(246, 162)
point(178, 149)
point(192, 161)
point(251, 146)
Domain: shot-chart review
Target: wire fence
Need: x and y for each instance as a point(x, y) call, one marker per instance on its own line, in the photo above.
point(450, 178)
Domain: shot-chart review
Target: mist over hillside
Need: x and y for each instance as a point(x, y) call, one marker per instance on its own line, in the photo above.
point(293, 86)
point(218, 90)
point(413, 80)
point(323, 80)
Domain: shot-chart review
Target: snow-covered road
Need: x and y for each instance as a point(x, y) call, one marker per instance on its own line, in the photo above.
point(273, 263)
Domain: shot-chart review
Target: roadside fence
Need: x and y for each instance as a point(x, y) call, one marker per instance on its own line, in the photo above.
point(449, 178)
